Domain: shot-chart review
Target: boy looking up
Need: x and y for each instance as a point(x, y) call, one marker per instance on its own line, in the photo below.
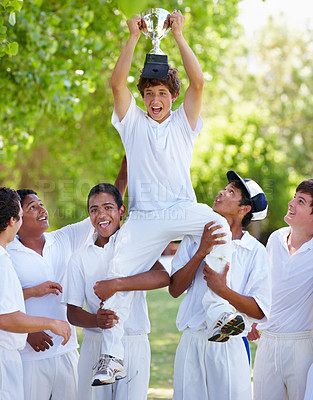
point(285, 351)
point(158, 145)
point(205, 369)
point(14, 323)
point(89, 265)
point(40, 260)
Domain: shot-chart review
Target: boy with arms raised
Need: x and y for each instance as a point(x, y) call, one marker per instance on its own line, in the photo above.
point(86, 267)
point(14, 323)
point(206, 369)
point(162, 202)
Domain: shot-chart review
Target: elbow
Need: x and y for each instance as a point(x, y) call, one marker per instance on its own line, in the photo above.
point(174, 293)
point(199, 82)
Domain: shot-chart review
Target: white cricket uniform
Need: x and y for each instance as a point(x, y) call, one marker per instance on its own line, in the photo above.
point(86, 267)
point(11, 300)
point(285, 350)
point(309, 385)
point(209, 370)
point(162, 201)
point(46, 372)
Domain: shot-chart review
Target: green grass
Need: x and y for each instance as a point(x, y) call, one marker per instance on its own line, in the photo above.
point(164, 338)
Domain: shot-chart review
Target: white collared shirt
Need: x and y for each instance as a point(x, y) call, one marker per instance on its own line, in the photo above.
point(249, 276)
point(158, 158)
point(89, 265)
point(292, 288)
point(33, 269)
point(11, 300)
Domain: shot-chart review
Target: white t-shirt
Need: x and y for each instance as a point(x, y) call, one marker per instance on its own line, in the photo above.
point(11, 300)
point(292, 288)
point(89, 265)
point(33, 269)
point(158, 158)
point(249, 276)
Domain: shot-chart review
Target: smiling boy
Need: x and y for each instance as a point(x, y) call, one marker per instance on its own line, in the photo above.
point(285, 350)
point(14, 323)
point(158, 145)
point(90, 264)
point(40, 260)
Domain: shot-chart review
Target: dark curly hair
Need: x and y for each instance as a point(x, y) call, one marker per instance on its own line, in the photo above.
point(106, 188)
point(23, 193)
point(9, 207)
point(171, 82)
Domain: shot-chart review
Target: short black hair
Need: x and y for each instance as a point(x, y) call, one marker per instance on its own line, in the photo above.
point(106, 188)
point(23, 193)
point(9, 207)
point(245, 201)
point(306, 187)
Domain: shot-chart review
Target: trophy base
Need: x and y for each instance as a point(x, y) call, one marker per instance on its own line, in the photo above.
point(156, 66)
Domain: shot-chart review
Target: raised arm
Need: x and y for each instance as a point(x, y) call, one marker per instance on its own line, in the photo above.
point(121, 94)
point(193, 95)
point(181, 279)
point(121, 179)
point(156, 278)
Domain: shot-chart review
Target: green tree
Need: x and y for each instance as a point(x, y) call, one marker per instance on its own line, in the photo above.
point(55, 99)
point(259, 118)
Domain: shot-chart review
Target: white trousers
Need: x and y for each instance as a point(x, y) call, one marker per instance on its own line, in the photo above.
point(52, 378)
point(11, 375)
point(281, 365)
point(139, 244)
point(206, 370)
point(136, 362)
point(309, 385)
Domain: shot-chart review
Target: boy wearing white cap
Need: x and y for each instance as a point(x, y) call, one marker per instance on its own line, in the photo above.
point(285, 350)
point(205, 369)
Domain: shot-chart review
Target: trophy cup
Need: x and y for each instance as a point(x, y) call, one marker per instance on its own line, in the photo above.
point(155, 25)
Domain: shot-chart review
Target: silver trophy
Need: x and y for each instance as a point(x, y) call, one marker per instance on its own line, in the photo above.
point(155, 25)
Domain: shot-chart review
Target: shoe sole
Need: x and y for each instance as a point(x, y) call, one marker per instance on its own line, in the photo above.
point(117, 377)
point(232, 328)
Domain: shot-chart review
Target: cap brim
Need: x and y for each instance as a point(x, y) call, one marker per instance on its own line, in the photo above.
point(233, 176)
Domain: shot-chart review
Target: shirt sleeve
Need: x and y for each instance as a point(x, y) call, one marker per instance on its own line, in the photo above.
point(126, 125)
point(78, 233)
point(9, 286)
point(258, 284)
point(75, 283)
point(186, 250)
point(181, 117)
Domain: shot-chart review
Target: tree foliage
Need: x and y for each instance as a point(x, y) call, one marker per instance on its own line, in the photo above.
point(55, 100)
point(259, 118)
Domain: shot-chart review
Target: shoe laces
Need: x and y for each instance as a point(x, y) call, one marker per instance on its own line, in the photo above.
point(103, 364)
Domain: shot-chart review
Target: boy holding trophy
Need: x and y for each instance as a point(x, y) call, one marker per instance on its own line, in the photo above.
point(162, 203)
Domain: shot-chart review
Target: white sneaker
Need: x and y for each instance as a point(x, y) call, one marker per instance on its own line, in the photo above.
point(108, 369)
point(229, 324)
